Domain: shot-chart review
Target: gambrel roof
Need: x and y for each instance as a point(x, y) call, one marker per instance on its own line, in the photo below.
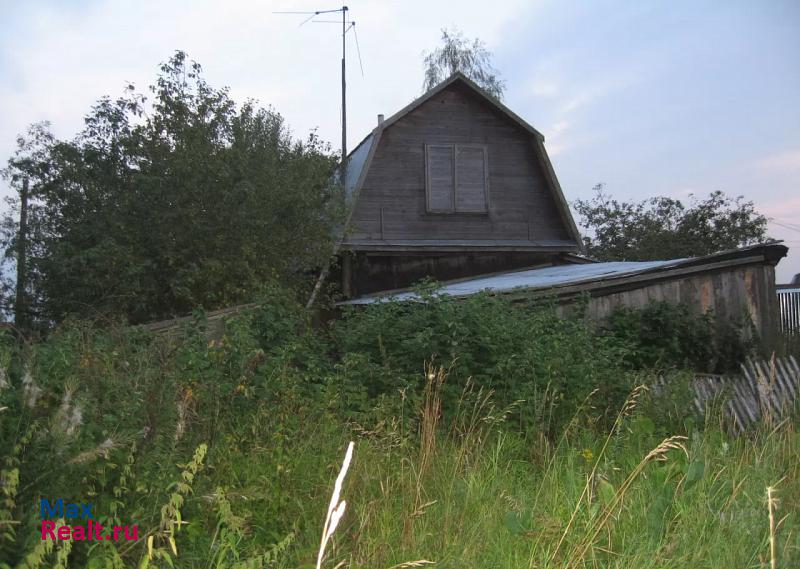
point(359, 160)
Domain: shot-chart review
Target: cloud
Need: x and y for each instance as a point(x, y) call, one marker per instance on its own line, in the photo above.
point(556, 140)
point(781, 162)
point(783, 209)
point(545, 88)
point(57, 59)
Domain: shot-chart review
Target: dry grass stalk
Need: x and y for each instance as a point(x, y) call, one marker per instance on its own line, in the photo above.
point(103, 449)
point(418, 563)
point(573, 422)
point(659, 453)
point(430, 413)
point(630, 404)
point(429, 420)
point(627, 409)
point(471, 420)
point(335, 508)
point(772, 503)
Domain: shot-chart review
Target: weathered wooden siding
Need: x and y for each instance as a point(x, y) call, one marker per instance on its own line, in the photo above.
point(376, 272)
point(391, 204)
point(730, 293)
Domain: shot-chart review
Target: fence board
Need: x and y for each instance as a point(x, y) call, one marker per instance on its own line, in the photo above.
point(789, 306)
point(763, 391)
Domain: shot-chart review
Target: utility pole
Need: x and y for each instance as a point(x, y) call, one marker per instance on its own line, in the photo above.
point(344, 100)
point(20, 309)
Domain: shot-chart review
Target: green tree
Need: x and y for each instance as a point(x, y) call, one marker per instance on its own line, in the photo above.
point(665, 228)
point(158, 207)
point(470, 57)
point(29, 161)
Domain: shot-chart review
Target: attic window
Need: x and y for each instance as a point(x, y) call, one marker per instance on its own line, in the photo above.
point(456, 178)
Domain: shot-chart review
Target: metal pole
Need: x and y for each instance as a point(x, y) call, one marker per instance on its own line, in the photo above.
point(344, 100)
point(19, 305)
point(343, 167)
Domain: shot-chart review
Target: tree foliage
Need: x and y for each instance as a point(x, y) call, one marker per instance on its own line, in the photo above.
point(470, 57)
point(30, 160)
point(160, 206)
point(665, 228)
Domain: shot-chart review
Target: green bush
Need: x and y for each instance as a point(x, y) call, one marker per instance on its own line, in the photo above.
point(664, 335)
point(521, 352)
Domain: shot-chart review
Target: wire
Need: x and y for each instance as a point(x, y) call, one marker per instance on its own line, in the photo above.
point(785, 225)
point(774, 220)
point(358, 50)
point(352, 26)
point(315, 13)
point(783, 220)
point(311, 17)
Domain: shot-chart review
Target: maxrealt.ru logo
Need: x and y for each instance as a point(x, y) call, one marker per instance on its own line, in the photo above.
point(89, 530)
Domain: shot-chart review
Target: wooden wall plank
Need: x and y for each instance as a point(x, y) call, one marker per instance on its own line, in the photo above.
point(396, 180)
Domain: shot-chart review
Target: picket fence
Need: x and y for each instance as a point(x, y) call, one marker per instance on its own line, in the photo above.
point(763, 391)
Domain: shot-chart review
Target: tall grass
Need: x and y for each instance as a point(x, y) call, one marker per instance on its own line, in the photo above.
point(226, 455)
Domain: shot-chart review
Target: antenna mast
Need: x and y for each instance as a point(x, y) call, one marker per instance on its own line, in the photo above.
point(344, 99)
point(347, 25)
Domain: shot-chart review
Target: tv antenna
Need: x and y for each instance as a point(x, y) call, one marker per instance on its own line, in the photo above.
point(347, 25)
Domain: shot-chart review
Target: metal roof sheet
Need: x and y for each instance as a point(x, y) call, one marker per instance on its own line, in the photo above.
point(544, 277)
point(570, 274)
point(356, 161)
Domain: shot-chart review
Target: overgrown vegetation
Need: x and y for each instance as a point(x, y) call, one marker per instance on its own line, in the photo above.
point(486, 435)
point(168, 200)
point(664, 335)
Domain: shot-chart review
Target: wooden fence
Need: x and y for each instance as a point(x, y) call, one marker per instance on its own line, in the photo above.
point(764, 391)
point(789, 305)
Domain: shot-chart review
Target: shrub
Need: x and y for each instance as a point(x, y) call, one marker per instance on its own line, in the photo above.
point(521, 352)
point(665, 335)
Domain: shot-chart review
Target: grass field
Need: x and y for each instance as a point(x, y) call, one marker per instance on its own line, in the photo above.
point(225, 456)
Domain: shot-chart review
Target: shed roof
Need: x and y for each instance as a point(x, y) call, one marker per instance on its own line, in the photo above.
point(578, 277)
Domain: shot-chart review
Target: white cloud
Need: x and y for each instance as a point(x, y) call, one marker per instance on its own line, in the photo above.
point(557, 135)
point(57, 59)
point(781, 162)
point(545, 88)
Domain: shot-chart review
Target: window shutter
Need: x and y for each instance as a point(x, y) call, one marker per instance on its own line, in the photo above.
point(471, 195)
point(441, 178)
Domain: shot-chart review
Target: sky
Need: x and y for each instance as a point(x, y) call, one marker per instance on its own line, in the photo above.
point(650, 98)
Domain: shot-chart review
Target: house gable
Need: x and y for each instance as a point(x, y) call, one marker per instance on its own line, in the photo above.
point(473, 135)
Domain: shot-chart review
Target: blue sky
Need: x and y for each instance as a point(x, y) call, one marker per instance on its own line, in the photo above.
point(650, 98)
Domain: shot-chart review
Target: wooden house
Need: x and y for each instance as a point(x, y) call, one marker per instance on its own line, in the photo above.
point(453, 185)
point(459, 188)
